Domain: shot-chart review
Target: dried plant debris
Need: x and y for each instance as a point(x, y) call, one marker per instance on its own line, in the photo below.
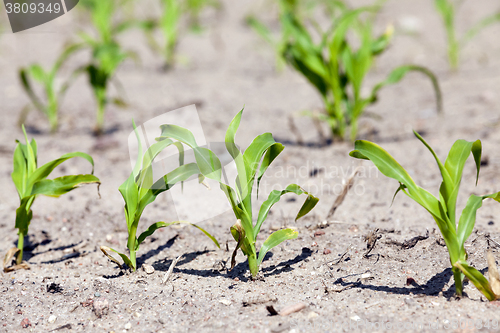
point(371, 240)
point(493, 274)
point(345, 189)
point(410, 243)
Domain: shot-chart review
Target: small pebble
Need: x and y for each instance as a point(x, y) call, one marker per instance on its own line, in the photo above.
point(148, 268)
point(327, 251)
point(25, 323)
point(52, 319)
point(409, 301)
point(319, 233)
point(100, 307)
point(225, 302)
point(97, 294)
point(312, 315)
point(128, 326)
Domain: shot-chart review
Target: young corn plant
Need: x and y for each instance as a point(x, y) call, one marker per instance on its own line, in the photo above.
point(251, 166)
point(170, 26)
point(31, 181)
point(194, 8)
point(447, 9)
point(301, 10)
point(107, 55)
point(337, 69)
point(49, 105)
point(140, 189)
point(442, 209)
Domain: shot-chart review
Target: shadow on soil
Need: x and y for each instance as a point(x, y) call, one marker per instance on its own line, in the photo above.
point(221, 267)
point(433, 286)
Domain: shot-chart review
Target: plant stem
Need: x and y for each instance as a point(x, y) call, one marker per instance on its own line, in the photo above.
point(100, 115)
point(53, 123)
point(252, 264)
point(458, 276)
point(131, 243)
point(453, 54)
point(20, 246)
point(133, 259)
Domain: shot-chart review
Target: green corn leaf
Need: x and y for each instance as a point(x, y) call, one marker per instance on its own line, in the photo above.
point(447, 186)
point(20, 172)
point(399, 73)
point(208, 163)
point(24, 214)
point(468, 217)
point(30, 155)
point(178, 175)
point(392, 169)
point(45, 170)
point(145, 176)
point(261, 29)
point(479, 281)
point(253, 154)
point(454, 164)
point(155, 226)
point(36, 71)
point(59, 186)
point(234, 151)
point(272, 152)
point(275, 196)
point(129, 189)
point(485, 22)
point(275, 239)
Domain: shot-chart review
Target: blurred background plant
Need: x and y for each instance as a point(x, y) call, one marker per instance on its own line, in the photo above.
point(53, 93)
point(303, 10)
point(448, 10)
point(170, 25)
point(337, 68)
point(106, 54)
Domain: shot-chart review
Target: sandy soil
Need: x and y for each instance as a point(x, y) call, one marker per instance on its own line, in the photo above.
point(228, 66)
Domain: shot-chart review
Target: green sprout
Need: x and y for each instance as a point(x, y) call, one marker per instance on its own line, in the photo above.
point(53, 94)
point(443, 210)
point(302, 11)
point(31, 181)
point(139, 190)
point(107, 55)
point(337, 69)
point(251, 166)
point(194, 8)
point(447, 9)
point(169, 25)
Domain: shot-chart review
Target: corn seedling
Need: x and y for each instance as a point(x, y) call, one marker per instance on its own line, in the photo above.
point(31, 181)
point(170, 25)
point(447, 9)
point(443, 210)
point(337, 69)
point(302, 11)
point(251, 166)
point(49, 106)
point(107, 54)
point(139, 190)
point(194, 8)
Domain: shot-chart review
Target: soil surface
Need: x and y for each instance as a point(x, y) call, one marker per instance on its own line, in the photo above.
point(227, 66)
